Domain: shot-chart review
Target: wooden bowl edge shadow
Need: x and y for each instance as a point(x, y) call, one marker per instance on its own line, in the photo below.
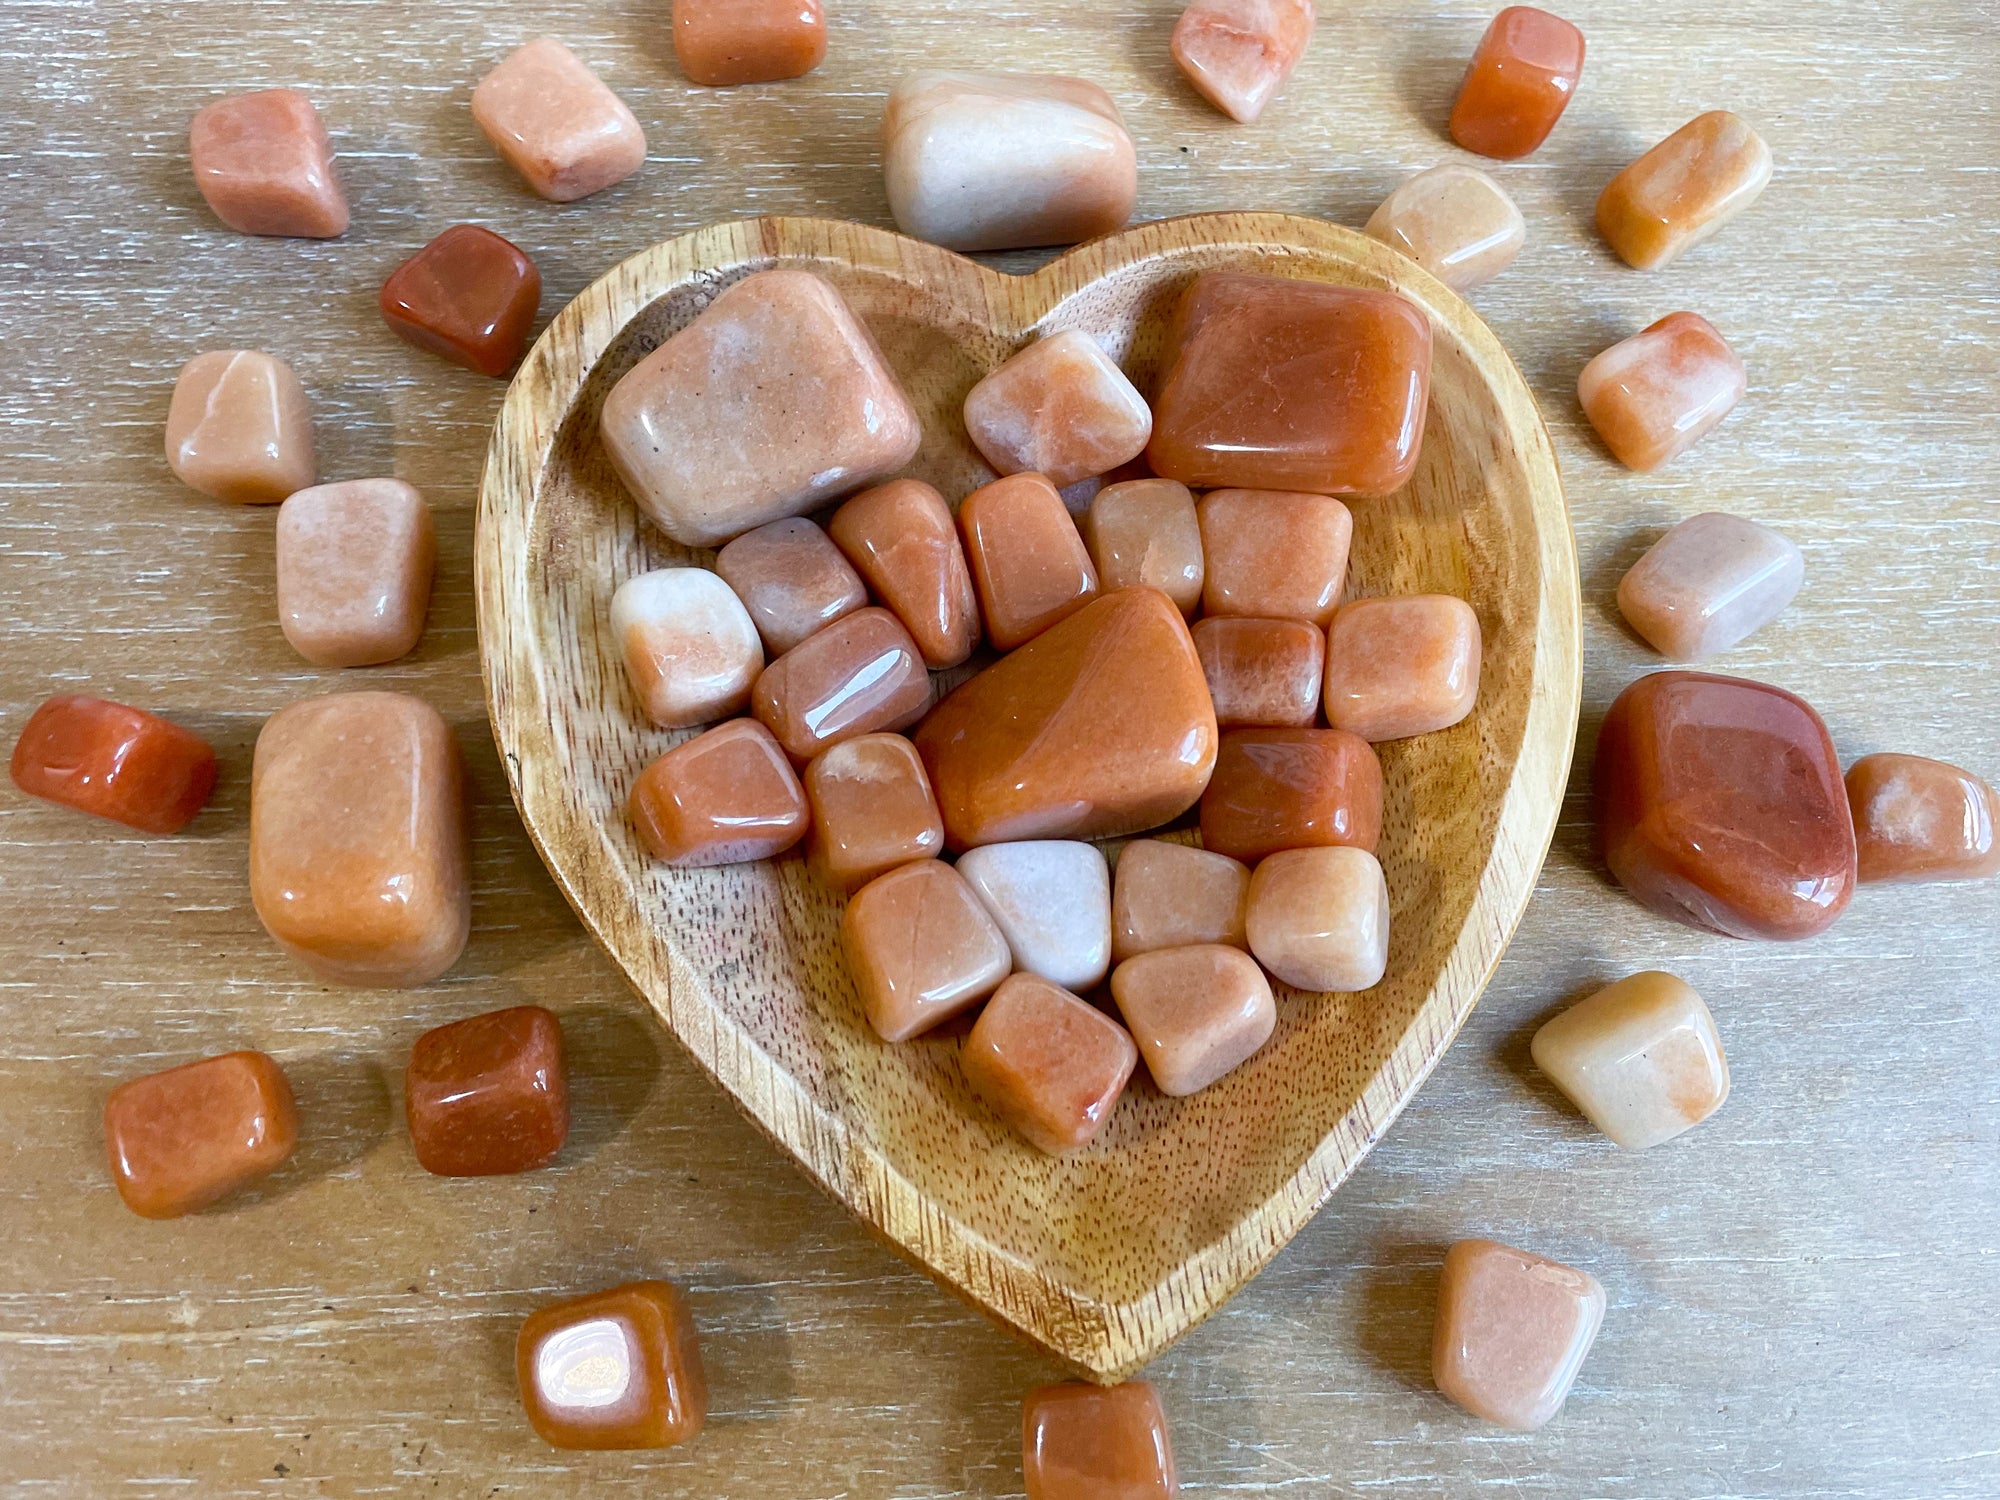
point(1103, 1341)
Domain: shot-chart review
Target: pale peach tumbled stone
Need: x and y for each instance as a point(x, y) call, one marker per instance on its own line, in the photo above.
point(921, 948)
point(1144, 531)
point(1174, 896)
point(689, 647)
point(1401, 666)
point(556, 123)
point(239, 428)
point(1261, 671)
point(872, 810)
point(861, 674)
point(1512, 1331)
point(1051, 898)
point(1708, 584)
point(1655, 395)
point(1684, 190)
point(1276, 554)
point(1196, 1013)
point(1238, 53)
point(1455, 222)
point(1922, 819)
point(1060, 408)
point(1319, 918)
point(354, 571)
point(1029, 565)
point(1640, 1057)
point(1049, 1064)
point(265, 165)
point(792, 579)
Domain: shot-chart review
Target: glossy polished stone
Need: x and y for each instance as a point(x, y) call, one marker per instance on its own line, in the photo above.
point(1094, 1442)
point(1655, 395)
point(902, 538)
point(772, 402)
point(468, 296)
point(1520, 81)
point(1279, 789)
point(555, 122)
point(1000, 161)
point(1196, 1013)
point(1051, 900)
point(1261, 671)
point(921, 948)
point(1274, 554)
point(726, 796)
point(721, 43)
point(1640, 1057)
point(1512, 1332)
point(1720, 804)
point(265, 165)
point(872, 810)
point(1060, 408)
point(615, 1369)
point(239, 428)
point(1455, 222)
point(1238, 53)
point(1319, 918)
point(114, 762)
point(1708, 584)
point(689, 646)
point(1052, 1066)
point(1277, 384)
point(1099, 726)
point(861, 674)
point(1919, 819)
point(180, 1140)
point(1167, 895)
point(1144, 531)
point(1400, 666)
point(792, 579)
point(358, 843)
point(354, 571)
point(1029, 565)
point(1683, 190)
point(488, 1095)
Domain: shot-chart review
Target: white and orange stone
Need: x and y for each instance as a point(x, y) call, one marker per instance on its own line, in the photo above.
point(1144, 531)
point(1709, 584)
point(239, 428)
point(1238, 53)
point(1512, 1332)
point(921, 948)
point(1051, 898)
point(1401, 666)
point(1060, 408)
point(1655, 395)
point(1167, 895)
point(1922, 819)
point(1049, 1064)
point(689, 647)
point(354, 571)
point(1454, 221)
point(556, 123)
point(1318, 919)
point(1640, 1057)
point(1197, 1013)
point(1684, 190)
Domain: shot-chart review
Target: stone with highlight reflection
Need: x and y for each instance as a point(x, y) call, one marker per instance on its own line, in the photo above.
point(1029, 564)
point(1655, 395)
point(115, 762)
point(1051, 899)
point(1093, 1442)
point(1197, 1013)
point(792, 579)
point(614, 1369)
point(1049, 1064)
point(921, 948)
point(1238, 53)
point(689, 647)
point(1144, 531)
point(468, 296)
point(1640, 1057)
point(872, 810)
point(354, 571)
point(1708, 584)
point(1512, 1332)
point(265, 165)
point(1274, 554)
point(1318, 919)
point(861, 674)
point(1167, 895)
point(1060, 408)
point(182, 1139)
point(902, 538)
point(1455, 222)
point(1279, 789)
point(556, 123)
point(488, 1095)
point(722, 43)
point(1683, 190)
point(239, 428)
point(1518, 84)
point(725, 797)
point(1405, 665)
point(1261, 671)
point(1920, 819)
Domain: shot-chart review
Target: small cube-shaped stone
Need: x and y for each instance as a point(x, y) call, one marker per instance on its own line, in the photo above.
point(1197, 1012)
point(1275, 554)
point(488, 1095)
point(1512, 1332)
point(1520, 81)
point(265, 165)
point(615, 1369)
point(239, 428)
point(1238, 53)
point(1143, 532)
point(872, 809)
point(1060, 408)
point(1400, 666)
point(726, 796)
point(1049, 1064)
point(1640, 1057)
point(921, 947)
point(114, 762)
point(861, 674)
point(1094, 1442)
point(1029, 565)
point(1655, 395)
point(1319, 918)
point(1921, 819)
point(792, 579)
point(1051, 899)
point(555, 122)
point(354, 571)
point(469, 296)
point(1710, 583)
point(1455, 222)
point(1261, 671)
point(1173, 896)
point(689, 646)
point(1683, 190)
point(179, 1140)
point(902, 538)
point(1278, 789)
point(721, 43)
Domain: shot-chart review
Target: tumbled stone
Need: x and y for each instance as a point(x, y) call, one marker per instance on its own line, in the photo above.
point(1404, 665)
point(902, 539)
point(861, 674)
point(1196, 1013)
point(615, 1369)
point(239, 428)
point(872, 810)
point(1655, 395)
point(1519, 82)
point(1144, 531)
point(354, 571)
point(182, 1139)
point(1099, 726)
point(721, 43)
point(488, 1095)
point(1261, 671)
point(1029, 565)
point(1051, 900)
point(265, 165)
point(1640, 1057)
point(1319, 918)
point(358, 838)
point(1708, 584)
point(1168, 895)
point(469, 296)
point(999, 161)
point(722, 798)
point(554, 121)
point(1052, 1066)
point(114, 762)
point(1279, 789)
point(1094, 1442)
point(921, 948)
point(1455, 222)
point(792, 579)
point(772, 402)
point(1512, 1332)
point(1060, 408)
point(689, 646)
point(1720, 804)
point(1683, 190)
point(1274, 554)
point(1238, 53)
point(1919, 819)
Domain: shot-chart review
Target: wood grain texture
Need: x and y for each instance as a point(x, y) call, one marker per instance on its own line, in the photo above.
point(1802, 1290)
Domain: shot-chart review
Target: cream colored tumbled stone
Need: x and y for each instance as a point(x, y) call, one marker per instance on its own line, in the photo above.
point(1060, 408)
point(1319, 918)
point(1455, 222)
point(689, 646)
point(1052, 900)
point(1641, 1058)
point(1684, 189)
point(1710, 583)
point(239, 428)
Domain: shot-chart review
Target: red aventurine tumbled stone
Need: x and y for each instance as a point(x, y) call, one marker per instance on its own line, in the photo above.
point(117, 762)
point(468, 295)
point(1089, 1442)
point(181, 1139)
point(615, 1369)
point(1518, 84)
point(1291, 789)
point(488, 1094)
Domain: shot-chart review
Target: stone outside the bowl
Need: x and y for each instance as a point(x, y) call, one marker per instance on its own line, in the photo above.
point(1708, 584)
point(239, 428)
point(114, 761)
point(468, 296)
point(1090, 1442)
point(1518, 84)
point(354, 571)
point(616, 1369)
point(1921, 819)
point(488, 1095)
point(1655, 395)
point(1684, 190)
point(553, 121)
point(1640, 1057)
point(265, 165)
point(1512, 1332)
point(184, 1138)
point(1238, 53)
point(1455, 222)
point(722, 43)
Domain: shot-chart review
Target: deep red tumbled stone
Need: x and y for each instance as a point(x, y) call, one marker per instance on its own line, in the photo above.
point(1279, 789)
point(117, 762)
point(488, 1094)
point(468, 295)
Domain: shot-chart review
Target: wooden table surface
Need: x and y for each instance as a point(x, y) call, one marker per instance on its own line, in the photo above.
point(1804, 1292)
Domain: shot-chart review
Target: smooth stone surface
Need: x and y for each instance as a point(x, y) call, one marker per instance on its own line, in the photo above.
point(1092, 1442)
point(689, 646)
point(1720, 804)
point(1274, 554)
point(554, 121)
point(1683, 190)
point(872, 810)
point(354, 571)
point(1401, 666)
point(1060, 408)
point(1166, 895)
point(902, 538)
point(1709, 584)
point(264, 164)
point(114, 762)
point(615, 1369)
point(1292, 385)
point(1144, 531)
point(488, 1095)
point(772, 402)
point(1279, 789)
point(1029, 565)
point(180, 1140)
point(1000, 161)
point(358, 844)
point(1919, 819)
point(1196, 1013)
point(1318, 919)
point(1238, 53)
point(1051, 899)
point(861, 674)
point(1512, 1332)
point(721, 43)
point(1261, 671)
point(921, 948)
point(792, 579)
point(1655, 395)
point(1049, 1064)
point(726, 796)
point(239, 428)
point(1519, 82)
point(469, 296)
point(1455, 222)
point(1100, 726)
point(1640, 1057)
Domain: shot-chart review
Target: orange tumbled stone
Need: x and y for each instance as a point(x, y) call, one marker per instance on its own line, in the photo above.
point(792, 579)
point(1512, 1331)
point(721, 43)
point(1653, 396)
point(1920, 819)
point(616, 1369)
point(1092, 1442)
point(1238, 53)
point(488, 1095)
point(921, 948)
point(1402, 666)
point(1520, 81)
point(469, 296)
point(1029, 564)
point(872, 809)
point(179, 1140)
point(724, 797)
point(1279, 789)
point(115, 762)
point(556, 123)
point(1144, 531)
point(1274, 554)
point(1051, 1065)
point(1261, 671)
point(861, 674)
point(1196, 1013)
point(239, 428)
point(265, 165)
point(1099, 726)
point(902, 539)
point(1683, 190)
point(1168, 895)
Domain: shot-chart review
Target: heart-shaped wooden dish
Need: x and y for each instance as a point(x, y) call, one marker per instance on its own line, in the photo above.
point(1107, 1256)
